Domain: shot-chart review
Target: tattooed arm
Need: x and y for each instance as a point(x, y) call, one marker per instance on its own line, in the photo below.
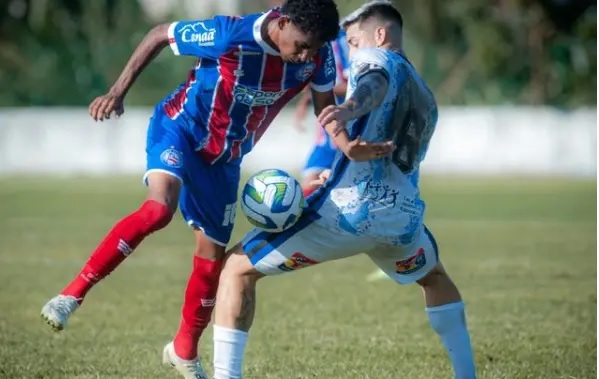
point(369, 94)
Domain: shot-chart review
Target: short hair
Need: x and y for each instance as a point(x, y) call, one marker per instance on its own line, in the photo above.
point(382, 9)
point(319, 18)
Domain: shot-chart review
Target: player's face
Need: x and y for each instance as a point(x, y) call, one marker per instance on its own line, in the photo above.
point(358, 38)
point(296, 46)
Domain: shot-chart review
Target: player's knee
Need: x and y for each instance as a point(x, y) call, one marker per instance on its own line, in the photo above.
point(207, 248)
point(154, 215)
point(435, 277)
point(164, 188)
point(237, 265)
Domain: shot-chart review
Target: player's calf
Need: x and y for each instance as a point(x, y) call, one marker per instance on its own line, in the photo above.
point(200, 295)
point(235, 305)
point(446, 314)
point(153, 215)
point(438, 288)
point(120, 242)
point(112, 251)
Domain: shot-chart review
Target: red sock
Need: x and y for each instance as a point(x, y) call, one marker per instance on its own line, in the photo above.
point(124, 237)
point(200, 296)
point(309, 190)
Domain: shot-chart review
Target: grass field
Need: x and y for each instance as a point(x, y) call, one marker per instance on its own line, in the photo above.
point(522, 251)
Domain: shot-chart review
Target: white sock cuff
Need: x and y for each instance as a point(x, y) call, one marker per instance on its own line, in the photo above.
point(446, 307)
point(225, 334)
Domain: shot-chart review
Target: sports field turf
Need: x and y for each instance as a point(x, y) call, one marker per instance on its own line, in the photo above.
point(522, 251)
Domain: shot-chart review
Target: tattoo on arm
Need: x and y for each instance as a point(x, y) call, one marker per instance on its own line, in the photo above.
point(369, 94)
point(248, 306)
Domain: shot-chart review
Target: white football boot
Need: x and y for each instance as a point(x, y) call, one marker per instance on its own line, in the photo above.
point(188, 369)
point(56, 312)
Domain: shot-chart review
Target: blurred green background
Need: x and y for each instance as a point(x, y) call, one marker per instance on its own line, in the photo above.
point(472, 52)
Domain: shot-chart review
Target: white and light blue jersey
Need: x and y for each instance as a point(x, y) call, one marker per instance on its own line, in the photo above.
point(381, 199)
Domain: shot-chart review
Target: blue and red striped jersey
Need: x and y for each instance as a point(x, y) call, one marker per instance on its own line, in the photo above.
point(239, 84)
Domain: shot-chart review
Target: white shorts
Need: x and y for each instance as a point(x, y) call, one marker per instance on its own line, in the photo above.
point(308, 243)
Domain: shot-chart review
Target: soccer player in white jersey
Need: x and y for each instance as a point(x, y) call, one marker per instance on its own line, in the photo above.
point(372, 207)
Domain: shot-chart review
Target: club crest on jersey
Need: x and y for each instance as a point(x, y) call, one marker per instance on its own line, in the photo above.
point(198, 33)
point(412, 264)
point(171, 158)
point(305, 72)
point(297, 261)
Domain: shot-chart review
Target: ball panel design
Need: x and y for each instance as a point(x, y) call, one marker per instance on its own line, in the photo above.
point(272, 200)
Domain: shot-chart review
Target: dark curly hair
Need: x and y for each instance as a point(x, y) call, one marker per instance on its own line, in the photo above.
point(319, 18)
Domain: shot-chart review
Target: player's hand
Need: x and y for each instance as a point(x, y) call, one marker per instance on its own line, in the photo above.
point(358, 150)
point(335, 113)
point(104, 106)
point(322, 178)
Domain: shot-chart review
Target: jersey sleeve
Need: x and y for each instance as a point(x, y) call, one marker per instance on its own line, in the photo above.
point(201, 38)
point(324, 78)
point(366, 61)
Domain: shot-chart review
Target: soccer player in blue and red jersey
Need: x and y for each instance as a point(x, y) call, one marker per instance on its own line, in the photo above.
point(248, 69)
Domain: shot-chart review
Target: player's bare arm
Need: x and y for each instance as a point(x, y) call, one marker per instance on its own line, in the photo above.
point(301, 110)
point(369, 94)
point(103, 106)
point(340, 88)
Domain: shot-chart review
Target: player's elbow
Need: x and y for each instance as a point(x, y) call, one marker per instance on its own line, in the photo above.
point(158, 35)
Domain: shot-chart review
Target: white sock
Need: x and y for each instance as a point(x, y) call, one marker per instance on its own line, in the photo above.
point(229, 345)
point(449, 321)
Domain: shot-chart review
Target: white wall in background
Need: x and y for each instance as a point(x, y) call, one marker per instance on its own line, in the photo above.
point(530, 141)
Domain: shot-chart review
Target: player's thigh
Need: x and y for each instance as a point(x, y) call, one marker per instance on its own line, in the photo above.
point(304, 244)
point(409, 263)
point(209, 199)
point(166, 151)
point(238, 264)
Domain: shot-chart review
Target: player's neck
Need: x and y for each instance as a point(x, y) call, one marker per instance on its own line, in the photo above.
point(393, 44)
point(270, 32)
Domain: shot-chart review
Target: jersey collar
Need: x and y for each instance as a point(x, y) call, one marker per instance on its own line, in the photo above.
point(258, 35)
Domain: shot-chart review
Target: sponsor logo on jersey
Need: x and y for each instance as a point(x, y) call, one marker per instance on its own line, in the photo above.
point(297, 261)
point(198, 33)
point(412, 264)
point(254, 97)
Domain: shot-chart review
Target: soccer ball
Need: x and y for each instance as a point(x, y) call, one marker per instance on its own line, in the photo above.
point(272, 200)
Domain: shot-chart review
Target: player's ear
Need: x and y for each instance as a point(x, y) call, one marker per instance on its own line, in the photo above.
point(380, 35)
point(282, 21)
